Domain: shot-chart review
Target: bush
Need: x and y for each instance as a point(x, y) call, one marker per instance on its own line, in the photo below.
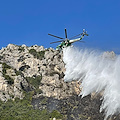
point(18, 72)
point(34, 81)
point(21, 49)
point(33, 52)
point(1, 57)
point(5, 67)
point(56, 114)
point(38, 55)
point(7, 77)
point(23, 110)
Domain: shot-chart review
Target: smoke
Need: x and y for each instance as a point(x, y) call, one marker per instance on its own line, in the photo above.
point(97, 71)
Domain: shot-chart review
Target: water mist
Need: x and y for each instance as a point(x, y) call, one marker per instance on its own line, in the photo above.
point(97, 71)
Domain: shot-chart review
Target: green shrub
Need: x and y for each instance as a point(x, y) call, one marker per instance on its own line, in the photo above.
point(34, 81)
point(38, 55)
point(33, 52)
point(41, 54)
point(1, 57)
point(23, 110)
point(39, 91)
point(9, 79)
point(21, 49)
point(56, 114)
point(5, 67)
point(18, 72)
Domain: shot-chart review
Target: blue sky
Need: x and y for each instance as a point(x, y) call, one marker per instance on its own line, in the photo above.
point(29, 22)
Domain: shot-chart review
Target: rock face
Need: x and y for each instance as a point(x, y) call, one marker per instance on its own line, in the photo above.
point(24, 69)
point(18, 63)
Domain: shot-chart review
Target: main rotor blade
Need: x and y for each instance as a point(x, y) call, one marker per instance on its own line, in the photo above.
point(56, 41)
point(65, 33)
point(55, 36)
point(76, 36)
point(82, 41)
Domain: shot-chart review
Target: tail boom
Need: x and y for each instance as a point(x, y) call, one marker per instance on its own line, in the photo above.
point(75, 40)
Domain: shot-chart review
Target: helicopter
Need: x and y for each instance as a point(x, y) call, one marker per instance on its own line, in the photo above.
point(65, 42)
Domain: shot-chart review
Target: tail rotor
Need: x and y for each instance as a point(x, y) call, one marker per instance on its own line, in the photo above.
point(84, 32)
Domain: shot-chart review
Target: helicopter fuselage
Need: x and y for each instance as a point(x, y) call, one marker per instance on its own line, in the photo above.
point(67, 43)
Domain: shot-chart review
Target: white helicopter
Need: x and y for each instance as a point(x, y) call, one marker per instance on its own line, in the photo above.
point(65, 42)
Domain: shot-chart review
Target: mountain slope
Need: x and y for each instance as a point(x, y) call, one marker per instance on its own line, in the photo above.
point(33, 78)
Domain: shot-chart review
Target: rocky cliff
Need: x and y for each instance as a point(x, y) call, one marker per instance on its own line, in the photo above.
point(25, 68)
point(40, 71)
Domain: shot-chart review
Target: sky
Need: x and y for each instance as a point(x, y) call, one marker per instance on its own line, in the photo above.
point(29, 22)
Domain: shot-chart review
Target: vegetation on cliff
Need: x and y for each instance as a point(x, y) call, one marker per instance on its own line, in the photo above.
point(38, 55)
point(32, 87)
point(23, 110)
